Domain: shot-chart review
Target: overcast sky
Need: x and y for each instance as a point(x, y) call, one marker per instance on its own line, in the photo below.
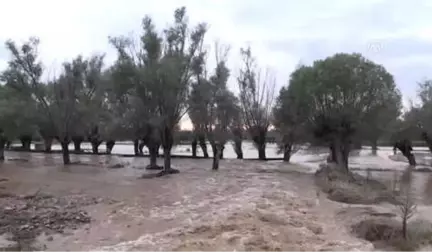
point(395, 33)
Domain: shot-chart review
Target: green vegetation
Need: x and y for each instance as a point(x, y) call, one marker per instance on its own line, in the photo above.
point(340, 102)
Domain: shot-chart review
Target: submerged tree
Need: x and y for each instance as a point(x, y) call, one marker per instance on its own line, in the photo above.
point(24, 75)
point(421, 116)
point(211, 103)
point(13, 117)
point(402, 132)
point(336, 95)
point(198, 137)
point(383, 114)
point(160, 71)
point(90, 101)
point(198, 106)
point(129, 93)
point(56, 100)
point(181, 47)
point(237, 128)
point(18, 116)
point(256, 99)
point(289, 121)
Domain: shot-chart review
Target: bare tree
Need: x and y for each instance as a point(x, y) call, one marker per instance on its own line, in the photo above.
point(406, 202)
point(256, 99)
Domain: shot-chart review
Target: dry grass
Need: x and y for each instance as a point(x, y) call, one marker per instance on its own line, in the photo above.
point(386, 233)
point(391, 231)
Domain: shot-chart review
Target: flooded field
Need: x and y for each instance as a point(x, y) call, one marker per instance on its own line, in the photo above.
point(246, 205)
point(127, 148)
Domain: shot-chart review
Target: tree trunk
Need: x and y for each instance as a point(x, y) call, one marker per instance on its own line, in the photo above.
point(77, 146)
point(411, 159)
point(405, 147)
point(167, 138)
point(2, 157)
point(214, 149)
point(26, 142)
point(216, 156)
point(345, 154)
point(95, 146)
point(404, 227)
point(357, 145)
point(427, 139)
point(8, 144)
point(141, 147)
point(77, 143)
point(194, 147)
point(332, 155)
point(262, 152)
point(238, 148)
point(2, 149)
point(154, 152)
point(157, 147)
point(48, 144)
point(340, 153)
point(221, 151)
point(136, 145)
point(287, 152)
point(374, 145)
point(167, 159)
point(65, 151)
point(153, 156)
point(203, 146)
point(259, 139)
point(109, 146)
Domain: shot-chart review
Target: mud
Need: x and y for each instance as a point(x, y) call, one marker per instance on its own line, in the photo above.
point(243, 206)
point(24, 218)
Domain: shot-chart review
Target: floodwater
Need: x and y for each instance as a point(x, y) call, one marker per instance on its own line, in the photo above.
point(249, 150)
point(246, 205)
point(392, 166)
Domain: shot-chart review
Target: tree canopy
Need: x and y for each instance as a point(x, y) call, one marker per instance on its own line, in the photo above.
point(163, 75)
point(336, 96)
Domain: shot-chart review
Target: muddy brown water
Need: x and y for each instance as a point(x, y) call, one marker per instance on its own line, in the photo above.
point(143, 206)
point(419, 178)
point(246, 205)
point(151, 206)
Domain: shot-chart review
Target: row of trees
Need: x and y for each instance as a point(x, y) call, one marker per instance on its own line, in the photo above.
point(161, 77)
point(153, 83)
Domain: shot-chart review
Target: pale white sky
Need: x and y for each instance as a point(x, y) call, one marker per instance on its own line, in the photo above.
point(395, 33)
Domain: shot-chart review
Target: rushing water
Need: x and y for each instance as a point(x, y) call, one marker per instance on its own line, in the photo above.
point(198, 185)
point(249, 150)
point(360, 161)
